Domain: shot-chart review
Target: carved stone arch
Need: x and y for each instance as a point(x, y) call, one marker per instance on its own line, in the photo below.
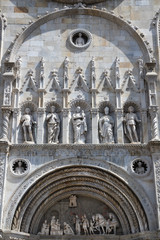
point(51, 178)
point(104, 104)
point(79, 102)
point(57, 105)
point(133, 31)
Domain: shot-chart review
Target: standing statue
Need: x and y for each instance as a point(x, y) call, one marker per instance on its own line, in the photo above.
point(53, 126)
point(106, 127)
point(27, 123)
point(19, 169)
point(130, 120)
point(85, 224)
point(80, 40)
point(77, 225)
point(45, 228)
point(79, 126)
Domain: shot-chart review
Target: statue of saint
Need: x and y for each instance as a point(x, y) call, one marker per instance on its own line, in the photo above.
point(106, 127)
point(77, 225)
point(19, 169)
point(45, 228)
point(53, 126)
point(139, 169)
point(79, 126)
point(130, 120)
point(85, 224)
point(27, 123)
point(79, 41)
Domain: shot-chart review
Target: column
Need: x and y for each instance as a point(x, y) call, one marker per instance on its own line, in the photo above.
point(151, 77)
point(14, 137)
point(5, 125)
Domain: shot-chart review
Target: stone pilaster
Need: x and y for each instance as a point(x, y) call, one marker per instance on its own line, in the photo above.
point(144, 126)
point(155, 151)
point(65, 125)
point(95, 118)
point(40, 125)
point(119, 126)
point(15, 122)
point(151, 77)
point(4, 150)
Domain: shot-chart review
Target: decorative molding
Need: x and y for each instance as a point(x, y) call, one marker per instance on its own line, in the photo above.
point(134, 32)
point(49, 167)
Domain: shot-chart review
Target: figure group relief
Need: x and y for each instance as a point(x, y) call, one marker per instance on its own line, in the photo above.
point(80, 121)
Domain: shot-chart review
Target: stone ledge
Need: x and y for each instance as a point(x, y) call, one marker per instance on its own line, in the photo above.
point(137, 236)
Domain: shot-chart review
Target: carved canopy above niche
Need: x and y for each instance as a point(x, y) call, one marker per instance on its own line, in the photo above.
point(80, 1)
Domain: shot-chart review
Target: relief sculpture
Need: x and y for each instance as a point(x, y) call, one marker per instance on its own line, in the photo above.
point(106, 127)
point(130, 125)
point(27, 125)
point(82, 226)
point(79, 126)
point(53, 122)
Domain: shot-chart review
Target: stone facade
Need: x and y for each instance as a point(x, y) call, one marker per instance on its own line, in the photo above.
point(80, 120)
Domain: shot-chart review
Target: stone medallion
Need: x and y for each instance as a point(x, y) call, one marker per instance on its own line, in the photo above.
point(80, 1)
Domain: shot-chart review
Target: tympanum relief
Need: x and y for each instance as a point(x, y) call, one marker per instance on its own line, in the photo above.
point(81, 223)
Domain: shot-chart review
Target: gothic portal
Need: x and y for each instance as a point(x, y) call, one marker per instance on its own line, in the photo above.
point(79, 110)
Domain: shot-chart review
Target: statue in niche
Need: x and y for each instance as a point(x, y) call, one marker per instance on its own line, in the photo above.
point(19, 169)
point(106, 127)
point(45, 228)
point(27, 123)
point(85, 224)
point(140, 167)
point(79, 126)
point(67, 229)
point(53, 126)
point(79, 40)
point(73, 201)
point(77, 225)
point(130, 120)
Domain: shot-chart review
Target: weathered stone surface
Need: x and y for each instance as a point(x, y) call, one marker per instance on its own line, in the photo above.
point(83, 161)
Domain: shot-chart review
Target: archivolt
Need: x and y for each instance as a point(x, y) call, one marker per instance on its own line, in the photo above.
point(82, 180)
point(82, 11)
